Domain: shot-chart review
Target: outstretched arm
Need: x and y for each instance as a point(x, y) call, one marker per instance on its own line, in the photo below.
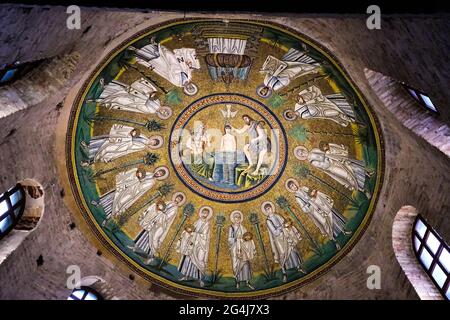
point(241, 130)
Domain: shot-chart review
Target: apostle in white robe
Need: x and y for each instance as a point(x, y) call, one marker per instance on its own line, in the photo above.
point(122, 140)
point(175, 66)
point(283, 240)
point(242, 249)
point(334, 160)
point(312, 104)
point(130, 186)
point(194, 247)
point(141, 97)
point(156, 221)
point(280, 73)
point(319, 207)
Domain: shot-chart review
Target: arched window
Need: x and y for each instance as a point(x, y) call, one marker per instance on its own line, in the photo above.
point(84, 293)
point(10, 73)
point(433, 254)
point(12, 205)
point(94, 285)
point(422, 98)
point(402, 101)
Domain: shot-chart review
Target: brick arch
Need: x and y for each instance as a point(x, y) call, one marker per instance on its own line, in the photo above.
point(29, 221)
point(406, 110)
point(34, 205)
point(404, 252)
point(37, 84)
point(99, 285)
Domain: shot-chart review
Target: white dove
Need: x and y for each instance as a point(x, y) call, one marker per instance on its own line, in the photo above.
point(228, 113)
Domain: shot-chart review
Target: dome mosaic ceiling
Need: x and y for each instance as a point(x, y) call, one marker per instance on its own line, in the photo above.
point(224, 158)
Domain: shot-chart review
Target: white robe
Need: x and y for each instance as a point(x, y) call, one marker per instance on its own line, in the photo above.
point(336, 163)
point(133, 98)
point(331, 107)
point(322, 219)
point(294, 64)
point(282, 240)
point(195, 245)
point(156, 224)
point(120, 143)
point(242, 252)
point(129, 189)
point(176, 67)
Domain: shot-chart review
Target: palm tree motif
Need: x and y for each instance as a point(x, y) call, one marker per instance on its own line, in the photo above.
point(162, 191)
point(220, 221)
point(149, 160)
point(268, 268)
point(304, 172)
point(150, 125)
point(188, 211)
point(285, 205)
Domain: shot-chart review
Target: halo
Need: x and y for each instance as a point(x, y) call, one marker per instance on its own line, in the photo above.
point(268, 94)
point(286, 184)
point(288, 117)
point(160, 142)
point(236, 211)
point(267, 203)
point(179, 193)
point(166, 174)
point(162, 116)
point(297, 149)
point(193, 93)
point(209, 209)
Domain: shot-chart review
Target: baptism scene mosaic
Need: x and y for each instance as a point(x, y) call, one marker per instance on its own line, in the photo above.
point(224, 158)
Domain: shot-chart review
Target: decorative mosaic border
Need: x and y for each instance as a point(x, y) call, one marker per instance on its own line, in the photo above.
point(115, 251)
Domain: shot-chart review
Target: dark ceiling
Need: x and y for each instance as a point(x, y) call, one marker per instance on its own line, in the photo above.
point(273, 6)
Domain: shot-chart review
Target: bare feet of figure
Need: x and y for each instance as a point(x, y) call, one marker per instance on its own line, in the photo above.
point(347, 233)
point(300, 269)
point(337, 245)
point(84, 164)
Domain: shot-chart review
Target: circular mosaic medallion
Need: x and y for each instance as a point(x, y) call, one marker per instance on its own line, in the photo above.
point(203, 171)
point(224, 158)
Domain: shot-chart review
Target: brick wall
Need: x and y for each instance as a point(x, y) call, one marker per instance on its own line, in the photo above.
point(413, 49)
point(422, 122)
point(404, 251)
